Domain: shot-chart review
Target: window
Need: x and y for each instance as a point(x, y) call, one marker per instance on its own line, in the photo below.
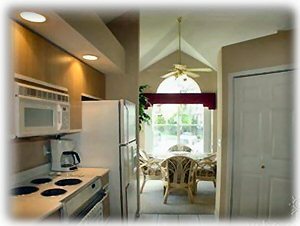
point(176, 123)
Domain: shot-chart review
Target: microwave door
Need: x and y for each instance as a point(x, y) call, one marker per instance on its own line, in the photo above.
point(36, 117)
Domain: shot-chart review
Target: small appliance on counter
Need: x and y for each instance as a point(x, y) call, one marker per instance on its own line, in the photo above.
point(63, 155)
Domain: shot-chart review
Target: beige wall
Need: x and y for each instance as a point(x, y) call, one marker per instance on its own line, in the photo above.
point(207, 82)
point(27, 153)
point(262, 52)
point(125, 86)
point(34, 56)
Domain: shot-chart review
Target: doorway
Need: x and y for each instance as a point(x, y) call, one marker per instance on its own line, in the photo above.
point(172, 125)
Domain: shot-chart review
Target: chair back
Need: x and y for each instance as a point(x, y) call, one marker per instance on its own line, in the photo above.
point(143, 156)
point(148, 165)
point(178, 170)
point(207, 168)
point(180, 147)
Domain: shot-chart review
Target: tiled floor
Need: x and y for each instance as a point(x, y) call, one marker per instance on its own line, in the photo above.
point(175, 218)
point(152, 200)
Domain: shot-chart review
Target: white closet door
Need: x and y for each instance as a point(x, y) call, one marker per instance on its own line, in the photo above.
point(262, 154)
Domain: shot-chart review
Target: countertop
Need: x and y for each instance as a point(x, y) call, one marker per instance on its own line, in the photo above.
point(36, 206)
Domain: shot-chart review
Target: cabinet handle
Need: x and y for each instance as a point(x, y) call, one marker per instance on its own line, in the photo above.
point(262, 166)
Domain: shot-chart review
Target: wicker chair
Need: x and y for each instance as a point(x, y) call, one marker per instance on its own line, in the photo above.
point(178, 174)
point(180, 148)
point(207, 169)
point(150, 168)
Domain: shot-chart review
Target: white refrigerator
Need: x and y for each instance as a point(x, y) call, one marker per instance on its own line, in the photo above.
point(108, 139)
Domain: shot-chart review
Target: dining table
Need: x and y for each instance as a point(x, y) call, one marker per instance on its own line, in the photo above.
point(162, 156)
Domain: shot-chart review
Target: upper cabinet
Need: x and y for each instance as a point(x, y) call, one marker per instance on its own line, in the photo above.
point(36, 57)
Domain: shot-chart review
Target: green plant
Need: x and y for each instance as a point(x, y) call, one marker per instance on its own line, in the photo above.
point(143, 102)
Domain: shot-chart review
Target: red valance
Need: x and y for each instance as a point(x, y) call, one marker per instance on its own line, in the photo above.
point(207, 99)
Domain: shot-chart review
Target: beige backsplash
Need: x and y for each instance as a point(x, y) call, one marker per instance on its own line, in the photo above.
point(27, 153)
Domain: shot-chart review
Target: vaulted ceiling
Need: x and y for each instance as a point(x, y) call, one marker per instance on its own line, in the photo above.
point(205, 31)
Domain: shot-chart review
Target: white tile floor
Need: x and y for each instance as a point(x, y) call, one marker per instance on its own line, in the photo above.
point(174, 218)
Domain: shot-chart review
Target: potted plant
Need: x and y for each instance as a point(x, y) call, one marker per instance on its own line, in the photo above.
point(143, 102)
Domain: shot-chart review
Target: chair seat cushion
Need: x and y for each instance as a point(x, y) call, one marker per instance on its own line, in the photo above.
point(203, 172)
point(153, 170)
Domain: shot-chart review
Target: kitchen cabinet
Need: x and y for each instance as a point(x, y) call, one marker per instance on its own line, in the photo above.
point(106, 207)
point(54, 216)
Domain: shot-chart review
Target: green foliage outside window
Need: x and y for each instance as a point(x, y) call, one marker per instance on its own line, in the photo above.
point(143, 102)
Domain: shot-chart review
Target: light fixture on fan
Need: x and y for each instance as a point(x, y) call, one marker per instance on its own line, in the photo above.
point(180, 69)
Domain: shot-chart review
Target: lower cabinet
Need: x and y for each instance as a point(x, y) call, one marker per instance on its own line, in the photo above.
point(106, 211)
point(53, 216)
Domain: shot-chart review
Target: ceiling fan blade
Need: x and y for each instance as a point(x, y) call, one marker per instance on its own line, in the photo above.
point(168, 74)
point(204, 69)
point(192, 74)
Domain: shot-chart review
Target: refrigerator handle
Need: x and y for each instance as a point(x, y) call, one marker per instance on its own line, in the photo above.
point(127, 122)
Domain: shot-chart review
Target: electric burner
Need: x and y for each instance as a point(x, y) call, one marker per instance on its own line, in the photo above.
point(53, 192)
point(23, 190)
point(41, 180)
point(70, 181)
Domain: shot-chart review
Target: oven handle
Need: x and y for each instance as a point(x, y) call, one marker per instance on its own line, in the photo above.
point(99, 197)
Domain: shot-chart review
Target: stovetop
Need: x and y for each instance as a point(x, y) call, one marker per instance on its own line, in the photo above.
point(39, 185)
point(37, 206)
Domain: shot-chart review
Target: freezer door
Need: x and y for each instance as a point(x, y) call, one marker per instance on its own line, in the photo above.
point(128, 163)
point(127, 122)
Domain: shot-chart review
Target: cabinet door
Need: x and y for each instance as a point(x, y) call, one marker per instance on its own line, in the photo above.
point(262, 154)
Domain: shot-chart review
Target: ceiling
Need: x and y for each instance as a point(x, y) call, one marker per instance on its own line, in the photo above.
point(204, 32)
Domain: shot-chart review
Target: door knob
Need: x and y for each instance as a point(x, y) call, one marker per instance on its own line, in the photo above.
point(262, 166)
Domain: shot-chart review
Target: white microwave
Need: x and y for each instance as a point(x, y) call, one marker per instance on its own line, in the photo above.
point(40, 111)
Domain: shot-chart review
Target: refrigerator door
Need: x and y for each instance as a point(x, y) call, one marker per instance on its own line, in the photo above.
point(127, 121)
point(98, 143)
point(132, 188)
point(128, 157)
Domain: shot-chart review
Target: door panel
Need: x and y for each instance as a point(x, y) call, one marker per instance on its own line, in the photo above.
point(279, 194)
point(262, 155)
point(252, 131)
point(249, 202)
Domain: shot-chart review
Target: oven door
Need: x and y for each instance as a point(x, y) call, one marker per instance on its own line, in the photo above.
point(36, 117)
point(93, 211)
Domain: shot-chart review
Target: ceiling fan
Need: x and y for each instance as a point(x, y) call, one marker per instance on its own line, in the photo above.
point(180, 69)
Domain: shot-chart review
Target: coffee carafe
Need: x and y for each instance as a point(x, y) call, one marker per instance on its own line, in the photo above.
point(63, 155)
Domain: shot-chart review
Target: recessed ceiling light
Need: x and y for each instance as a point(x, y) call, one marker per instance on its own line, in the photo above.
point(33, 17)
point(89, 57)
